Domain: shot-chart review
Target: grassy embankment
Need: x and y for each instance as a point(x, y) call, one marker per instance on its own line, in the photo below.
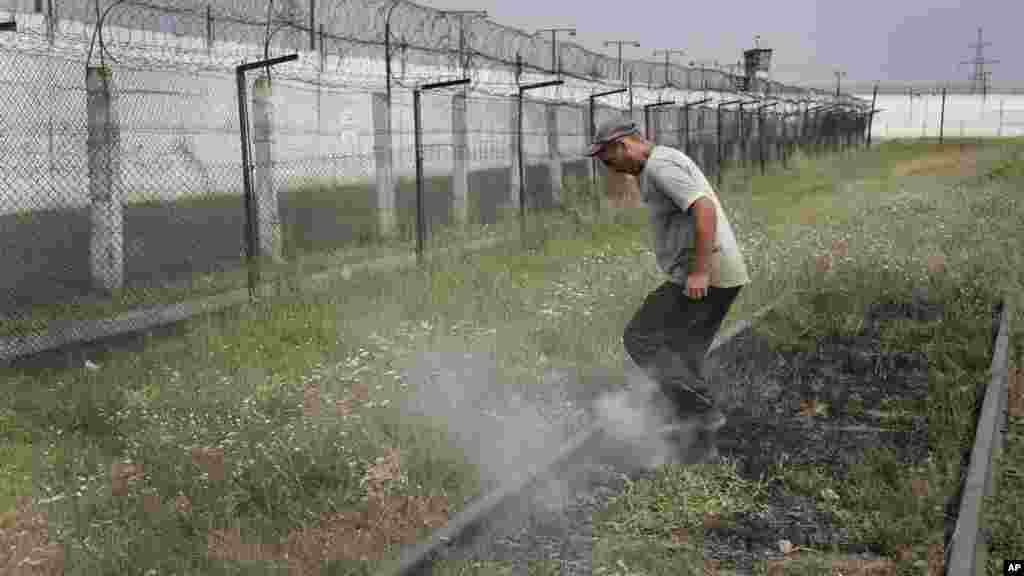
point(274, 430)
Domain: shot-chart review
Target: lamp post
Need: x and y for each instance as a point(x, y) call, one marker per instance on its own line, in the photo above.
point(667, 54)
point(839, 74)
point(633, 43)
point(554, 52)
point(387, 47)
point(462, 31)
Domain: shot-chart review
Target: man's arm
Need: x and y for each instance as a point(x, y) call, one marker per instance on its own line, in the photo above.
point(681, 184)
point(704, 234)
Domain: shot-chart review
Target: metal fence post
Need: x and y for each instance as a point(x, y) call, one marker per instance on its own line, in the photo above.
point(522, 167)
point(252, 208)
point(718, 141)
point(684, 128)
point(209, 30)
point(51, 21)
point(760, 138)
point(554, 155)
point(718, 127)
point(942, 116)
point(420, 232)
point(590, 138)
point(250, 216)
point(460, 148)
point(417, 115)
point(871, 118)
point(312, 25)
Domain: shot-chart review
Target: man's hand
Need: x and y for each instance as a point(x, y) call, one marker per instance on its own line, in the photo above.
point(697, 285)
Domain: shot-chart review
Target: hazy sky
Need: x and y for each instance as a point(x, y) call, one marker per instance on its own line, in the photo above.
point(890, 40)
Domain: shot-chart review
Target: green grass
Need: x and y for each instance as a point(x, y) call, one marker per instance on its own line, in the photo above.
point(657, 526)
point(892, 225)
point(237, 381)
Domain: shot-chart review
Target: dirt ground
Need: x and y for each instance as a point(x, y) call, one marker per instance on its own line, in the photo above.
point(795, 407)
point(950, 160)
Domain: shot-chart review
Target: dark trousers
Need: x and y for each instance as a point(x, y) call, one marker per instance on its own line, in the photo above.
point(669, 337)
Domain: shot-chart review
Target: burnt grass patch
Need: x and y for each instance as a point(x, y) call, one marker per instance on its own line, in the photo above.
point(835, 427)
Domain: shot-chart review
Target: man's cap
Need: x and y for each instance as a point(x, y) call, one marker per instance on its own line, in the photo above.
point(612, 131)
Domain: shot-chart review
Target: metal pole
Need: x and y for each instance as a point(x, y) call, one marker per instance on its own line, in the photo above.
point(250, 219)
point(51, 21)
point(739, 134)
point(209, 29)
point(685, 136)
point(760, 138)
point(522, 171)
point(942, 117)
point(419, 175)
point(462, 43)
point(312, 25)
point(554, 54)
point(871, 119)
point(1001, 112)
point(519, 152)
point(718, 141)
point(631, 93)
point(387, 49)
point(621, 75)
point(592, 132)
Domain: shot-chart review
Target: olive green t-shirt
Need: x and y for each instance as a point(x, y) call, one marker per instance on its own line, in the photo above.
point(669, 184)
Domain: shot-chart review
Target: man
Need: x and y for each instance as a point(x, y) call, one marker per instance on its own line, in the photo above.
point(695, 247)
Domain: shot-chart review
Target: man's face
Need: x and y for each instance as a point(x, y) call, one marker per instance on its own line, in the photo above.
point(620, 156)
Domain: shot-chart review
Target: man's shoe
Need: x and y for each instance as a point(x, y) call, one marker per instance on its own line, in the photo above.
point(703, 450)
point(713, 420)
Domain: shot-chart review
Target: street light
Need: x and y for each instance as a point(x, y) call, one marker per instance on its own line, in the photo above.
point(633, 43)
point(839, 74)
point(387, 47)
point(462, 32)
point(554, 53)
point(668, 53)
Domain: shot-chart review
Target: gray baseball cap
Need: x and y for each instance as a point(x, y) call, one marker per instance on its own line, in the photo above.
point(612, 131)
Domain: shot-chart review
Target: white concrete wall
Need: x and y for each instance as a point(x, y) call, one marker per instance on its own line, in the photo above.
point(966, 115)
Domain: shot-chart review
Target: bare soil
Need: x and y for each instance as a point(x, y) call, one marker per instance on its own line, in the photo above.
point(824, 407)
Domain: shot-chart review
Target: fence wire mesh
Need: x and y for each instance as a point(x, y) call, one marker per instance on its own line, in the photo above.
point(125, 196)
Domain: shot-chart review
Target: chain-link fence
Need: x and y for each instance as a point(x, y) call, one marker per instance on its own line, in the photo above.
point(127, 201)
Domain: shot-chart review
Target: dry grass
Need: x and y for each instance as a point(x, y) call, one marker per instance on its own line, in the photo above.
point(26, 548)
point(350, 536)
point(1015, 390)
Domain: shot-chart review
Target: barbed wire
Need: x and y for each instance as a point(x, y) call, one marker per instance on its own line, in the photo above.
point(431, 34)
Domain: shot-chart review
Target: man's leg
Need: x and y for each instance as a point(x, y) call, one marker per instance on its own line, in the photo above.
point(711, 420)
point(717, 303)
point(665, 339)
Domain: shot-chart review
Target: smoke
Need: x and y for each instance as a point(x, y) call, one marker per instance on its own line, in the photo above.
point(497, 427)
point(504, 431)
point(635, 417)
